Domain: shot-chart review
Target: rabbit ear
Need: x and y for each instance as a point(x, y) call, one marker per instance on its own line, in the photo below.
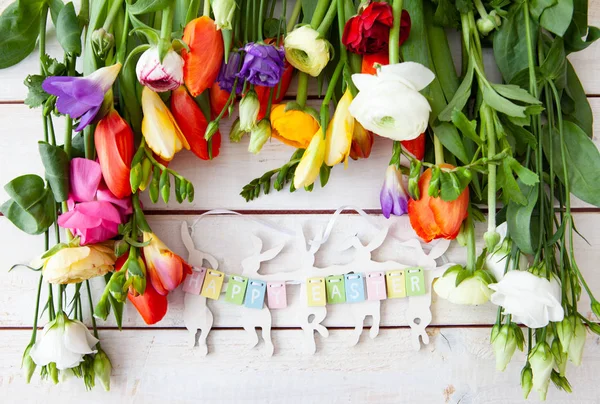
point(272, 253)
point(187, 239)
point(300, 239)
point(256, 244)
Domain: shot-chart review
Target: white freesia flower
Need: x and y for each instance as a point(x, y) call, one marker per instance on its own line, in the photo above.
point(531, 300)
point(496, 261)
point(389, 104)
point(306, 51)
point(471, 291)
point(160, 77)
point(63, 342)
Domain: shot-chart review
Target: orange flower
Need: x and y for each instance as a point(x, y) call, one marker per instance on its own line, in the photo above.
point(165, 268)
point(433, 218)
point(218, 99)
point(263, 92)
point(295, 128)
point(203, 61)
point(114, 144)
point(362, 142)
point(369, 60)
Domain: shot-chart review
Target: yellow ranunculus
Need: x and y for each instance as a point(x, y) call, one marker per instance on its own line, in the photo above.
point(309, 166)
point(295, 128)
point(159, 128)
point(76, 264)
point(339, 132)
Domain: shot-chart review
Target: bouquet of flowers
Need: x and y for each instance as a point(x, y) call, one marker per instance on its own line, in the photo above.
point(159, 76)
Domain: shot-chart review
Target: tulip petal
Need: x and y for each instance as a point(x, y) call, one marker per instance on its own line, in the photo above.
point(152, 306)
point(85, 178)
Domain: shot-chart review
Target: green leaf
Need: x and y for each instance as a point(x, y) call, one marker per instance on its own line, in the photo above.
point(453, 184)
point(19, 29)
point(557, 18)
point(554, 65)
point(461, 96)
point(575, 104)
point(446, 14)
point(36, 96)
point(68, 32)
point(448, 135)
point(324, 174)
point(26, 190)
point(31, 207)
point(582, 161)
point(56, 164)
point(501, 104)
point(513, 92)
point(526, 176)
point(466, 127)
point(518, 218)
point(510, 187)
point(117, 308)
point(147, 6)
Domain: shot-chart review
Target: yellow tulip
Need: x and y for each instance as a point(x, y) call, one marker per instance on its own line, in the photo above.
point(308, 169)
point(339, 132)
point(76, 264)
point(159, 128)
point(295, 128)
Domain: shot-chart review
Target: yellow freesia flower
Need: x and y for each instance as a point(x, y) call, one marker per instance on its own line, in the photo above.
point(309, 166)
point(76, 264)
point(159, 128)
point(339, 132)
point(295, 128)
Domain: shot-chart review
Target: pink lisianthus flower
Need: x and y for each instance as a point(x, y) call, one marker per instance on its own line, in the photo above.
point(94, 212)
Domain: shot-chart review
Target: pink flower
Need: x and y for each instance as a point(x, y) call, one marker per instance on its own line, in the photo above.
point(94, 212)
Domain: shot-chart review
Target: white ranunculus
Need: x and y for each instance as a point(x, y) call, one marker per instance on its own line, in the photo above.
point(306, 51)
point(157, 76)
point(496, 261)
point(531, 300)
point(471, 291)
point(390, 104)
point(63, 342)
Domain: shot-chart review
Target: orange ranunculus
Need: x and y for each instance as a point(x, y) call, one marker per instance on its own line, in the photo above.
point(263, 92)
point(295, 128)
point(193, 123)
point(218, 99)
point(165, 268)
point(114, 144)
point(433, 218)
point(203, 61)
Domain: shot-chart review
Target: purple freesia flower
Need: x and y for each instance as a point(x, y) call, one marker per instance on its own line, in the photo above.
point(263, 64)
point(393, 197)
point(82, 97)
point(228, 74)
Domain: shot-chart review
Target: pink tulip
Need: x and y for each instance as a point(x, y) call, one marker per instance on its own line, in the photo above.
point(94, 212)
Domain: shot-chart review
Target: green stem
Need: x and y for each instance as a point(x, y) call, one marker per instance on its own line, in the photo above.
point(112, 13)
point(319, 13)
point(295, 14)
point(302, 93)
point(471, 249)
point(488, 124)
point(51, 312)
point(42, 43)
point(37, 310)
point(394, 43)
point(122, 51)
point(59, 298)
point(261, 16)
point(206, 10)
point(341, 22)
point(89, 291)
point(330, 89)
point(439, 150)
point(328, 20)
point(166, 25)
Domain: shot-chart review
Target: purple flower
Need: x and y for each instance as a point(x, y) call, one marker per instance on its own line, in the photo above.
point(263, 64)
point(82, 97)
point(393, 197)
point(228, 74)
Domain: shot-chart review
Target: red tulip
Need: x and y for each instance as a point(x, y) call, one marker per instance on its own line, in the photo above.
point(433, 218)
point(218, 99)
point(114, 144)
point(263, 92)
point(203, 61)
point(191, 121)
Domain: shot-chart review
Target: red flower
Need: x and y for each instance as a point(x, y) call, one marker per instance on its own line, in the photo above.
point(433, 218)
point(369, 31)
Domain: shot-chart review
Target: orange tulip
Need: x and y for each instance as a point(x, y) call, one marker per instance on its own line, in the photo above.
point(114, 144)
point(433, 218)
point(191, 121)
point(218, 99)
point(166, 269)
point(203, 61)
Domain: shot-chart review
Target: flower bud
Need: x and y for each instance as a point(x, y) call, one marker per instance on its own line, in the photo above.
point(121, 247)
point(27, 364)
point(259, 136)
point(309, 166)
point(575, 350)
point(249, 107)
point(559, 357)
point(146, 174)
point(102, 368)
point(487, 24)
point(135, 177)
point(53, 372)
point(102, 43)
point(306, 51)
point(223, 11)
point(211, 129)
point(596, 308)
point(504, 343)
point(160, 75)
point(235, 133)
point(189, 190)
point(542, 362)
point(564, 330)
point(526, 380)
point(492, 238)
point(472, 290)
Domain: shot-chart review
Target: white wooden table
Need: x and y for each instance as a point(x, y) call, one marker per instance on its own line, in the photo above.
point(155, 364)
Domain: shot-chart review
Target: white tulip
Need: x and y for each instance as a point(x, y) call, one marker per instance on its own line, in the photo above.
point(471, 291)
point(306, 50)
point(157, 76)
point(531, 300)
point(389, 104)
point(496, 261)
point(63, 342)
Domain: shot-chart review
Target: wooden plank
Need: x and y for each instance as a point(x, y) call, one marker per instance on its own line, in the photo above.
point(228, 239)
point(218, 182)
point(154, 366)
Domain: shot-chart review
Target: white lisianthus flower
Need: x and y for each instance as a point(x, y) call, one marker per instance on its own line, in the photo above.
point(389, 104)
point(63, 342)
point(249, 109)
point(575, 349)
point(157, 76)
point(531, 300)
point(223, 11)
point(306, 51)
point(473, 290)
point(495, 262)
point(542, 362)
point(505, 339)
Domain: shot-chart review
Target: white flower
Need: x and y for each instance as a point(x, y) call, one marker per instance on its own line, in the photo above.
point(389, 104)
point(542, 362)
point(158, 76)
point(223, 11)
point(531, 300)
point(249, 109)
point(306, 51)
point(472, 290)
point(504, 343)
point(496, 261)
point(575, 349)
point(63, 342)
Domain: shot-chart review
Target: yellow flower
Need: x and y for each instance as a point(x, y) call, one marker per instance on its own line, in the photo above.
point(76, 264)
point(308, 169)
point(159, 128)
point(339, 132)
point(306, 50)
point(293, 127)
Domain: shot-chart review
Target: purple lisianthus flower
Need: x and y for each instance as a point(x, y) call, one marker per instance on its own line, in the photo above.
point(393, 197)
point(263, 64)
point(228, 74)
point(82, 97)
